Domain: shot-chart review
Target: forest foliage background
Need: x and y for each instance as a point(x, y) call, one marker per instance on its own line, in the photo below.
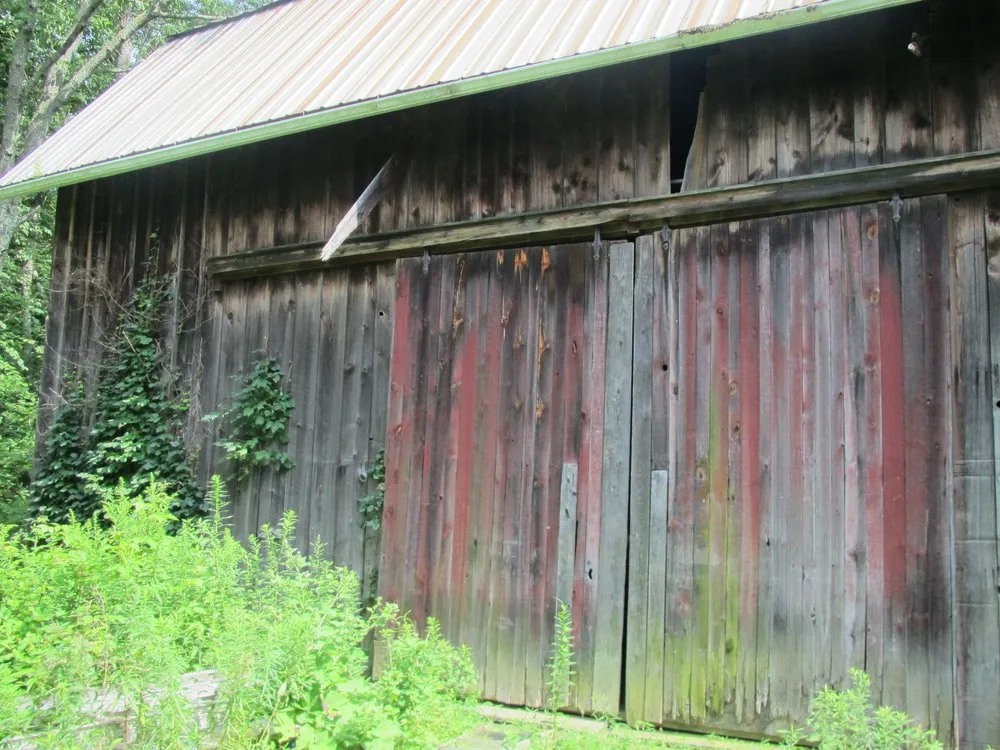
point(56, 56)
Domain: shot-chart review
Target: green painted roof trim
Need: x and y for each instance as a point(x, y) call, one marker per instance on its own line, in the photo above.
point(420, 97)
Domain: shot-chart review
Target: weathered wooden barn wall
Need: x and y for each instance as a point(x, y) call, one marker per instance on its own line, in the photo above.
point(801, 500)
point(331, 331)
point(590, 137)
point(837, 500)
point(572, 141)
point(793, 386)
point(914, 374)
point(808, 435)
point(849, 94)
point(467, 159)
point(508, 458)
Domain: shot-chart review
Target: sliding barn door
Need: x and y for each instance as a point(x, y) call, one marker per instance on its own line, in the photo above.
point(508, 459)
point(794, 466)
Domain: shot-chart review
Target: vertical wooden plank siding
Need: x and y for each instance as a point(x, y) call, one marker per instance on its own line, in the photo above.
point(977, 629)
point(725, 448)
point(614, 489)
point(641, 518)
point(785, 398)
point(538, 504)
point(328, 332)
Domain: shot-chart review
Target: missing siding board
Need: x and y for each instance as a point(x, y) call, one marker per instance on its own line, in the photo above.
point(688, 74)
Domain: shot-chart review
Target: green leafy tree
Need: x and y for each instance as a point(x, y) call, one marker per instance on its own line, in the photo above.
point(22, 334)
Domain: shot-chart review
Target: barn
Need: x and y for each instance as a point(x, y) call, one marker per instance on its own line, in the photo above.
point(684, 312)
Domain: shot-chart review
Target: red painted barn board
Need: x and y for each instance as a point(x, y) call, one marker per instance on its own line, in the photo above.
point(511, 372)
point(807, 498)
point(734, 450)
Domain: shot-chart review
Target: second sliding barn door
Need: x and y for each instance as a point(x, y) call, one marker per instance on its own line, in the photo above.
point(508, 458)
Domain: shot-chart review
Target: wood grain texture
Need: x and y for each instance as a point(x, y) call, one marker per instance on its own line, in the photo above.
point(614, 494)
point(639, 489)
point(777, 521)
point(810, 447)
point(506, 521)
point(976, 606)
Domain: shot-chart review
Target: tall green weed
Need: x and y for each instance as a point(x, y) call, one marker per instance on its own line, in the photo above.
point(126, 607)
point(849, 720)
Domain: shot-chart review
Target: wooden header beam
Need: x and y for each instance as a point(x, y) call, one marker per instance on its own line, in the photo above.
point(631, 217)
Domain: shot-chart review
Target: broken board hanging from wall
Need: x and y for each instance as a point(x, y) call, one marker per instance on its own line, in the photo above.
point(507, 481)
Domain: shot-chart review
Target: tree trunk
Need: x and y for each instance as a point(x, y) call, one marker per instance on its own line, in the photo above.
point(126, 53)
point(10, 217)
point(17, 77)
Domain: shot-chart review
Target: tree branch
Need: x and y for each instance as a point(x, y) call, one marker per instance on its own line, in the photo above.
point(51, 103)
point(188, 17)
point(69, 43)
point(14, 95)
point(27, 217)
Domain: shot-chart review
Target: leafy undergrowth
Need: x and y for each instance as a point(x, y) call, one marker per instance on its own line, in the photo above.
point(120, 605)
point(849, 720)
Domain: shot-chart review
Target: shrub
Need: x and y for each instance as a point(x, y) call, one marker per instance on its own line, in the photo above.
point(138, 421)
point(59, 488)
point(849, 720)
point(124, 606)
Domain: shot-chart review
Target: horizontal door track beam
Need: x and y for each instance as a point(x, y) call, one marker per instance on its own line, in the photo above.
point(628, 218)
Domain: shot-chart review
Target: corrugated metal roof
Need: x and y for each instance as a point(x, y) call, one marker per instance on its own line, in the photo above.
point(307, 63)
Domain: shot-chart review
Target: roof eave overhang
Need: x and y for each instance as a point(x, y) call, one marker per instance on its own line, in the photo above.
point(445, 91)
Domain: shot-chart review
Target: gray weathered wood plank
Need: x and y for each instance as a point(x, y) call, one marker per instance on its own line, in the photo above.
point(652, 128)
point(976, 610)
point(699, 464)
point(940, 551)
point(323, 517)
point(385, 298)
point(919, 456)
point(767, 415)
point(567, 533)
point(611, 573)
point(638, 489)
point(249, 343)
point(280, 346)
point(992, 240)
point(304, 379)
point(659, 488)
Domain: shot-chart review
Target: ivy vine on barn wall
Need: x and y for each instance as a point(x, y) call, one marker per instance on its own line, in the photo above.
point(256, 422)
point(370, 505)
point(138, 422)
